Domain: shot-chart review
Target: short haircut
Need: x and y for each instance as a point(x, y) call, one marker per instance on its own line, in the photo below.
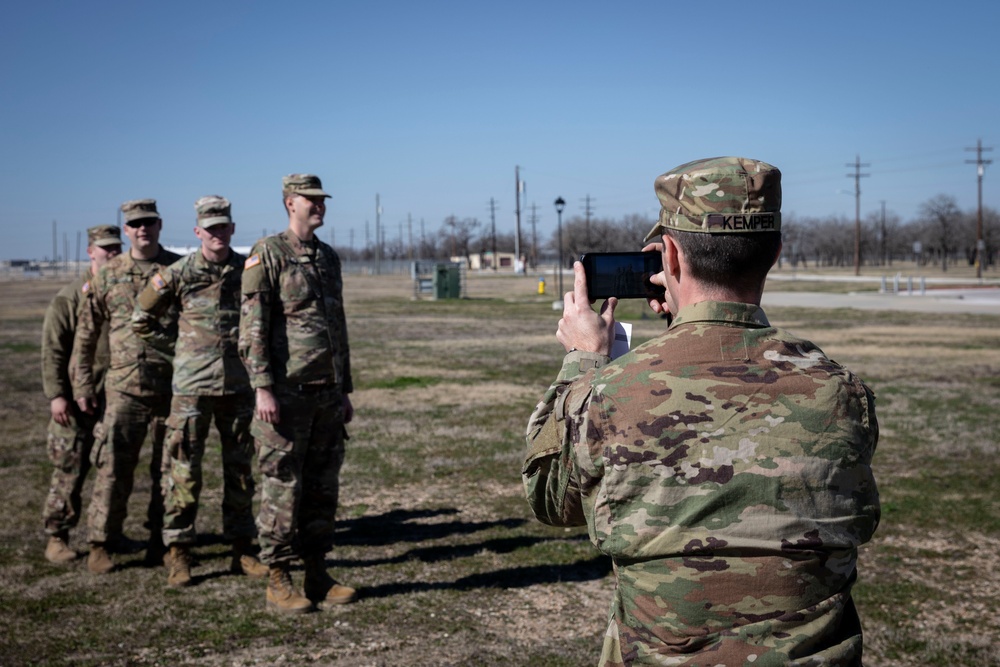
point(725, 260)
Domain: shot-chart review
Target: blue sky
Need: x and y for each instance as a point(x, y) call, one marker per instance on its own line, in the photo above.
point(431, 105)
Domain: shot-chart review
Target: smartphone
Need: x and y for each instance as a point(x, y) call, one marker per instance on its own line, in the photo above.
point(622, 274)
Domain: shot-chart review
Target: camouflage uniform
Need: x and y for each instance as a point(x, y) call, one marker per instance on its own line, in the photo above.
point(293, 338)
point(209, 380)
point(68, 446)
point(137, 391)
point(724, 466)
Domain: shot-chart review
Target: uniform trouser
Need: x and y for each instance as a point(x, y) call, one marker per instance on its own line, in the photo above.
point(69, 450)
point(300, 459)
point(184, 449)
point(118, 441)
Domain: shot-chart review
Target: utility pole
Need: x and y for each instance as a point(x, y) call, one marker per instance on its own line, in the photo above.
point(378, 236)
point(534, 237)
point(518, 186)
point(586, 216)
point(882, 250)
point(409, 234)
point(55, 252)
point(980, 168)
point(857, 175)
point(493, 232)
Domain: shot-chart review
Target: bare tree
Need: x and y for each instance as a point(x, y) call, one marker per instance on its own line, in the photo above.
point(884, 237)
point(605, 235)
point(991, 235)
point(941, 215)
point(832, 241)
point(794, 241)
point(456, 235)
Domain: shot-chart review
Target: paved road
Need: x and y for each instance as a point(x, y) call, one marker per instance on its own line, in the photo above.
point(983, 300)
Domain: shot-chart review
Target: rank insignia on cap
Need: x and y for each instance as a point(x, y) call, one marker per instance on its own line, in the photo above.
point(252, 261)
point(158, 282)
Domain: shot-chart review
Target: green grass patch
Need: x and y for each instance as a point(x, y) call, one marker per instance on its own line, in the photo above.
point(21, 348)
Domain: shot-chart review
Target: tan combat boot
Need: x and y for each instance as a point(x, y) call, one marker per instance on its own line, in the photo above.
point(281, 594)
point(323, 589)
point(245, 561)
point(178, 563)
point(58, 551)
point(99, 560)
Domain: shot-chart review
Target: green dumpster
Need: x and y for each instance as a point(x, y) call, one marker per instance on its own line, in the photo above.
point(447, 281)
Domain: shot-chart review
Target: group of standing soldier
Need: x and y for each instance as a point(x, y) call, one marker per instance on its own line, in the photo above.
point(150, 343)
point(724, 466)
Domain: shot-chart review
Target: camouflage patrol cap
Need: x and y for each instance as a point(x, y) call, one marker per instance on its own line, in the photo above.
point(213, 210)
point(307, 185)
point(140, 209)
point(719, 195)
point(104, 235)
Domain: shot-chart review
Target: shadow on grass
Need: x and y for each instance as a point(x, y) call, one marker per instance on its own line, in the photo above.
point(512, 577)
point(402, 527)
point(395, 527)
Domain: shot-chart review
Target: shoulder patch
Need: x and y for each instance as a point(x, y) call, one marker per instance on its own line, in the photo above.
point(158, 282)
point(252, 261)
point(86, 287)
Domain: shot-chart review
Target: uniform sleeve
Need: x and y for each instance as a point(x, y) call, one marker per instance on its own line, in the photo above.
point(255, 318)
point(343, 345)
point(151, 305)
point(90, 320)
point(556, 427)
point(57, 347)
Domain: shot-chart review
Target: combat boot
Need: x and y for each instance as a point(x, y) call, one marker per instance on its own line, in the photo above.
point(281, 594)
point(178, 566)
point(99, 560)
point(58, 551)
point(245, 561)
point(323, 589)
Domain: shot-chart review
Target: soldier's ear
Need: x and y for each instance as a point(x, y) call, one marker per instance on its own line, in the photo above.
point(671, 257)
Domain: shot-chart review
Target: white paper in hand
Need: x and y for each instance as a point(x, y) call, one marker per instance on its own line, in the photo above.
point(623, 339)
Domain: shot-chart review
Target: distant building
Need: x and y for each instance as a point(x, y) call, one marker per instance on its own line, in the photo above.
point(503, 261)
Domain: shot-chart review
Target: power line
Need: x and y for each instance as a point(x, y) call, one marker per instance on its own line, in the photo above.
point(587, 210)
point(980, 168)
point(857, 176)
point(493, 230)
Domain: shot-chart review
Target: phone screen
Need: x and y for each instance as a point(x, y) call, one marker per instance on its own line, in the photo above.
point(622, 274)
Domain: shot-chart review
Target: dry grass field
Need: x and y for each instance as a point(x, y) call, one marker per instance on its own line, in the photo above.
point(434, 531)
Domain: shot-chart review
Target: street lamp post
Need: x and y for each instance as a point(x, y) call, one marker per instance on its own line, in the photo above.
point(560, 204)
